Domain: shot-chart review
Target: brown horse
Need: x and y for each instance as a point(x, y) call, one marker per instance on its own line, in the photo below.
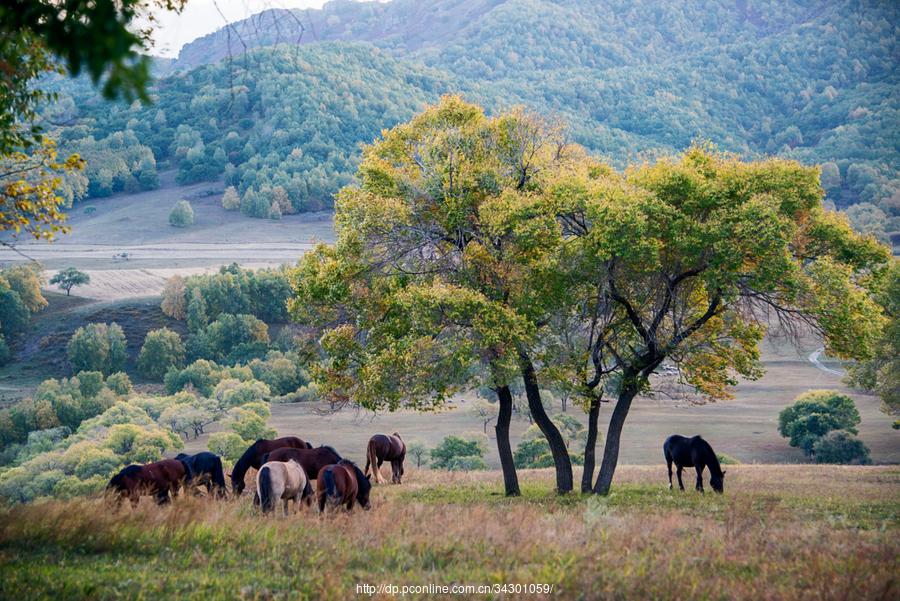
point(253, 457)
point(157, 479)
point(342, 484)
point(383, 448)
point(311, 460)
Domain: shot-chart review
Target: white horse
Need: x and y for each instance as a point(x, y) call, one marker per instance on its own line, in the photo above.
point(282, 480)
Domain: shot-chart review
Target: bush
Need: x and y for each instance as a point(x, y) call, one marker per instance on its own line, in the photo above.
point(228, 445)
point(90, 383)
point(231, 201)
point(815, 414)
point(162, 350)
point(533, 453)
point(452, 448)
point(182, 214)
point(839, 446)
point(201, 375)
point(119, 383)
point(98, 347)
point(727, 459)
point(5, 353)
point(466, 464)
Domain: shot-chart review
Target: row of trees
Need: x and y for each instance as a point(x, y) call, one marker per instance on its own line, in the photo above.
point(478, 250)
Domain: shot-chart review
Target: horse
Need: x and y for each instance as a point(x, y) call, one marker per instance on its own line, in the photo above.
point(342, 484)
point(157, 479)
point(383, 448)
point(206, 468)
point(252, 457)
point(284, 480)
point(693, 452)
point(311, 460)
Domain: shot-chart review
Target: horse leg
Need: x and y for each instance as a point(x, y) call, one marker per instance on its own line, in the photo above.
point(395, 471)
point(135, 499)
point(321, 500)
point(285, 507)
point(700, 478)
point(678, 472)
point(669, 464)
point(350, 504)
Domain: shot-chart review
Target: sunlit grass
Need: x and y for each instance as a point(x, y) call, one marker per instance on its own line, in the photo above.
point(787, 532)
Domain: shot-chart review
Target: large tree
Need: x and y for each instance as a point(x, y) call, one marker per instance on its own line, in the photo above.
point(692, 260)
point(443, 268)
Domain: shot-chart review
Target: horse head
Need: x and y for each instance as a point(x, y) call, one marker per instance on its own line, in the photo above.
point(718, 482)
point(237, 485)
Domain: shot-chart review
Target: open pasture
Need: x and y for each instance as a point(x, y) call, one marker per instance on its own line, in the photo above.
point(778, 532)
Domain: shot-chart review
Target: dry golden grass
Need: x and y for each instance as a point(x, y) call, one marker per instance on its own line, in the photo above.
point(779, 532)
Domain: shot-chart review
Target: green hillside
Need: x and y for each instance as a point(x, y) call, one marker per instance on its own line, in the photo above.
point(815, 81)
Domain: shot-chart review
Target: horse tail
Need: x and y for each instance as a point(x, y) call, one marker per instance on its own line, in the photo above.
point(188, 472)
point(308, 492)
point(330, 488)
point(372, 458)
point(266, 501)
point(218, 476)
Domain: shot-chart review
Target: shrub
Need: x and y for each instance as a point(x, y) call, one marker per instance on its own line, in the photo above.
point(90, 383)
point(231, 201)
point(727, 459)
point(5, 353)
point(468, 463)
point(452, 448)
point(815, 414)
point(202, 375)
point(533, 453)
point(98, 347)
point(182, 214)
point(162, 350)
point(119, 383)
point(839, 446)
point(228, 445)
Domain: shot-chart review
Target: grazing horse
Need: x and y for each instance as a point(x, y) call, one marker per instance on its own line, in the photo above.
point(252, 457)
point(311, 460)
point(157, 479)
point(693, 452)
point(342, 484)
point(206, 468)
point(383, 448)
point(283, 480)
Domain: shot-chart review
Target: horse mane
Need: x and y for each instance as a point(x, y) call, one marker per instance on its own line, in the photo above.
point(128, 470)
point(361, 479)
point(332, 449)
point(181, 456)
point(243, 464)
point(712, 460)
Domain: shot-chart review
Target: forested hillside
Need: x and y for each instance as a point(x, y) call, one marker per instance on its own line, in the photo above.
point(815, 81)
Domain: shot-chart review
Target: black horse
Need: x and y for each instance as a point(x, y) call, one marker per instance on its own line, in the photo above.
point(693, 452)
point(206, 468)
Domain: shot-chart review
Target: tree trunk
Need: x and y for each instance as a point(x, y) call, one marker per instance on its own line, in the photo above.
point(510, 480)
point(590, 449)
point(548, 428)
point(613, 436)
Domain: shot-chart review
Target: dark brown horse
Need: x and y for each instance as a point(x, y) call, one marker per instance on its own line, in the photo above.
point(157, 479)
point(696, 453)
point(253, 457)
point(383, 448)
point(311, 460)
point(342, 484)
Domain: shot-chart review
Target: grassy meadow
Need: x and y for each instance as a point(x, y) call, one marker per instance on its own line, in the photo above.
point(779, 532)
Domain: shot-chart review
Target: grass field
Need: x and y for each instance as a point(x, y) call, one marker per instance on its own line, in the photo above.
point(778, 532)
point(138, 224)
